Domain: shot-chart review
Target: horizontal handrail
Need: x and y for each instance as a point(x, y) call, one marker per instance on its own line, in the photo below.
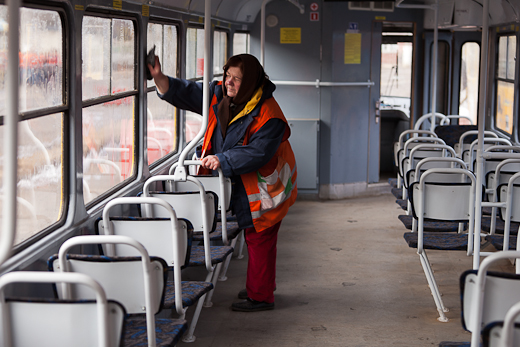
point(319, 83)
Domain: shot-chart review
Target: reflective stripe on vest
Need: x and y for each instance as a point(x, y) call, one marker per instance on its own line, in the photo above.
point(274, 189)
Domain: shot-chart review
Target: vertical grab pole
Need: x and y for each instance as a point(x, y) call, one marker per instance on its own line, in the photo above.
point(262, 33)
point(481, 124)
point(180, 171)
point(10, 144)
point(434, 62)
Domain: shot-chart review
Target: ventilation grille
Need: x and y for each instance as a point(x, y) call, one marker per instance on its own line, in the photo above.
point(387, 6)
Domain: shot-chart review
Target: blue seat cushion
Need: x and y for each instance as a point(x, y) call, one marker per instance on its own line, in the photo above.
point(485, 225)
point(232, 232)
point(440, 241)
point(430, 225)
point(498, 241)
point(218, 255)
point(397, 192)
point(402, 203)
point(454, 344)
point(191, 292)
point(167, 331)
point(229, 216)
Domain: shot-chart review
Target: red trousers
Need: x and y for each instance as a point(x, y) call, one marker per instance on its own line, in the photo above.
point(261, 267)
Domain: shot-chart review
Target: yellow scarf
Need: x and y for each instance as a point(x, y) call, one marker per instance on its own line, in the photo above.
point(251, 104)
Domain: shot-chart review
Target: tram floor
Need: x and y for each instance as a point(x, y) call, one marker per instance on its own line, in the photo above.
point(345, 277)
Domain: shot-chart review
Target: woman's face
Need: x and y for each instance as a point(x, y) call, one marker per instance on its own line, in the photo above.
point(233, 81)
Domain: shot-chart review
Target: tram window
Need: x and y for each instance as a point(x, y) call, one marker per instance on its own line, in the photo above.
point(469, 81)
point(505, 76)
point(108, 115)
point(241, 43)
point(220, 44)
point(194, 70)
point(40, 198)
point(396, 69)
point(162, 116)
point(195, 53)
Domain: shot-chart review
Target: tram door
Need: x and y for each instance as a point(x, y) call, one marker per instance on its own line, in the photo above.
point(395, 90)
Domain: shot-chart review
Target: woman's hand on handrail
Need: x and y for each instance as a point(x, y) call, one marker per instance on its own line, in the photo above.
point(210, 162)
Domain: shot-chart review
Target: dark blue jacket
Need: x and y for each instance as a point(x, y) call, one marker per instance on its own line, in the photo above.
point(235, 159)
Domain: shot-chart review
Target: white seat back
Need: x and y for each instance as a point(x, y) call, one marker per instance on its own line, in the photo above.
point(49, 324)
point(154, 233)
point(503, 334)
point(487, 297)
point(187, 205)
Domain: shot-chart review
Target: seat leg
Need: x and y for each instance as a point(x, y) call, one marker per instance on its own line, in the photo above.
point(433, 287)
point(188, 336)
point(223, 277)
point(214, 278)
point(414, 225)
point(241, 247)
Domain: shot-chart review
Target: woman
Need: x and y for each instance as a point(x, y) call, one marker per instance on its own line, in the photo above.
point(247, 137)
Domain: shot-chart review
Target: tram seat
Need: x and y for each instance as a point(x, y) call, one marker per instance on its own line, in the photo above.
point(451, 133)
point(163, 239)
point(200, 209)
point(136, 282)
point(467, 138)
point(226, 230)
point(405, 151)
point(408, 220)
point(444, 201)
point(424, 121)
point(398, 147)
point(409, 146)
point(421, 152)
point(59, 322)
point(469, 155)
point(414, 174)
point(496, 172)
point(487, 295)
point(503, 333)
point(508, 196)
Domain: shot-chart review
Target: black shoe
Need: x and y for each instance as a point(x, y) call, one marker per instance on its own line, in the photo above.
point(242, 294)
point(251, 305)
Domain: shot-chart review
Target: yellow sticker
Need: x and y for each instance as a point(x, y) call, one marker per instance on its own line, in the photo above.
point(291, 35)
point(380, 18)
point(79, 8)
point(201, 19)
point(146, 11)
point(352, 48)
point(118, 4)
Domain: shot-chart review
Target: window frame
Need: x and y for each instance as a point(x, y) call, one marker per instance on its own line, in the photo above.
point(460, 77)
point(498, 79)
point(226, 49)
point(65, 109)
point(147, 90)
point(119, 96)
point(248, 45)
point(191, 26)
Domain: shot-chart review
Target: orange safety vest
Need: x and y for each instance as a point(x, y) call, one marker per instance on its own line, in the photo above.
point(272, 189)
